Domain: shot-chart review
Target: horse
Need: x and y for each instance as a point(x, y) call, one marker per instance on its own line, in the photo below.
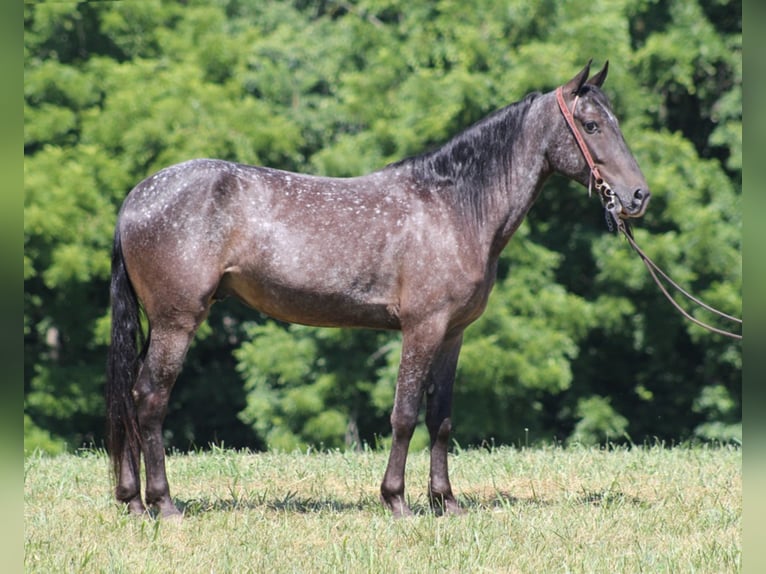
point(413, 247)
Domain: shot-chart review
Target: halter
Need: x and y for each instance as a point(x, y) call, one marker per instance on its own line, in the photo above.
point(609, 201)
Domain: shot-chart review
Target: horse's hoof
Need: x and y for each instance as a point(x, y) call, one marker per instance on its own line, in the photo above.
point(136, 507)
point(397, 506)
point(449, 506)
point(453, 508)
point(402, 511)
point(171, 513)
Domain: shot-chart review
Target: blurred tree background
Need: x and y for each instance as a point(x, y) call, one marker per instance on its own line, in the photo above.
point(576, 345)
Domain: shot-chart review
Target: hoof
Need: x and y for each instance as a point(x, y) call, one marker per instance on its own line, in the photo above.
point(136, 507)
point(169, 512)
point(453, 508)
point(443, 505)
point(397, 506)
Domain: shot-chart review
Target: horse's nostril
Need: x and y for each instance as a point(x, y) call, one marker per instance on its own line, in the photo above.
point(638, 194)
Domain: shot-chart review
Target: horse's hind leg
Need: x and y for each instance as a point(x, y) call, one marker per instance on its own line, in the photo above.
point(167, 348)
point(129, 481)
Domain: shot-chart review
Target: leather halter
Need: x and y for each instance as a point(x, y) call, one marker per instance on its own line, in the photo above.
point(608, 198)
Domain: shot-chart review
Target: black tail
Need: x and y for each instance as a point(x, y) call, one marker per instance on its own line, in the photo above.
point(123, 364)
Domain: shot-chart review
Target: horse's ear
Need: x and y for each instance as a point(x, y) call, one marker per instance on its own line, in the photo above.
point(574, 85)
point(598, 79)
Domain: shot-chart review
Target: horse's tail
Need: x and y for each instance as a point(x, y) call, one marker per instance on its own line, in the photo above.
point(122, 366)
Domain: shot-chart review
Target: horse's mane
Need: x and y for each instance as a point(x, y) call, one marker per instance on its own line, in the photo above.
point(476, 158)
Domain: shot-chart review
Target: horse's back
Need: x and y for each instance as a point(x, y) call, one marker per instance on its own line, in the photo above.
point(306, 249)
point(303, 248)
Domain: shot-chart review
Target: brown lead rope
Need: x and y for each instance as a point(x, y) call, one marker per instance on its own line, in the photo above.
point(652, 267)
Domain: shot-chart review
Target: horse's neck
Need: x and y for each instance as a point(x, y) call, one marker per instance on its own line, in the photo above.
point(515, 195)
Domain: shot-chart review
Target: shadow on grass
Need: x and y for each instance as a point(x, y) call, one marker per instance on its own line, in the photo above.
point(499, 500)
point(611, 498)
point(505, 500)
point(290, 502)
point(293, 503)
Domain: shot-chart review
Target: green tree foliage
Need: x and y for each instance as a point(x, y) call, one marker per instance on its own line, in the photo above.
point(309, 386)
point(576, 343)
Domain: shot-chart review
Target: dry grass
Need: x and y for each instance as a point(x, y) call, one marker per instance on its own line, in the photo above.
point(530, 510)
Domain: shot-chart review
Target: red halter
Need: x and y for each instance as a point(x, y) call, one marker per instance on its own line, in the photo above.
point(607, 194)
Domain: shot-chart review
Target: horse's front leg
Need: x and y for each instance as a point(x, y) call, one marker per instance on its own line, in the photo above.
point(438, 411)
point(418, 350)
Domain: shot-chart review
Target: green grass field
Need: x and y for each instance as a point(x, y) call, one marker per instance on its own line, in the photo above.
point(531, 510)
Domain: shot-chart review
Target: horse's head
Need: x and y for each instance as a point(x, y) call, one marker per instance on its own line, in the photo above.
point(589, 146)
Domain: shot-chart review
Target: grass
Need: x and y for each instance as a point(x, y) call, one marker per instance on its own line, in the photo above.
point(532, 510)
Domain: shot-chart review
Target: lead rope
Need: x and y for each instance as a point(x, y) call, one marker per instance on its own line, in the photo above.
point(654, 269)
point(613, 218)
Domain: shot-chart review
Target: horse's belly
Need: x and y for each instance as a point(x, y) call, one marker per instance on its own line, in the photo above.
point(316, 305)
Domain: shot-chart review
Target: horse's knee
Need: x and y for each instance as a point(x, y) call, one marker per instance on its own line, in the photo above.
point(403, 423)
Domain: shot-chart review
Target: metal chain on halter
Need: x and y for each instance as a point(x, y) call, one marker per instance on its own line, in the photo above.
point(609, 203)
point(612, 213)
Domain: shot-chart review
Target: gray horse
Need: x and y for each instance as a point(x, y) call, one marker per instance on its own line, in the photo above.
point(413, 246)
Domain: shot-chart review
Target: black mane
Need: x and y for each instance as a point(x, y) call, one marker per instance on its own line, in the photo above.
point(476, 158)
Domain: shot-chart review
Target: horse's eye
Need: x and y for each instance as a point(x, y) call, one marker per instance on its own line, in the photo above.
point(590, 127)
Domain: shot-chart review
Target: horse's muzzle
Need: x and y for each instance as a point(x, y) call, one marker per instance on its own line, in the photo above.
point(639, 203)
